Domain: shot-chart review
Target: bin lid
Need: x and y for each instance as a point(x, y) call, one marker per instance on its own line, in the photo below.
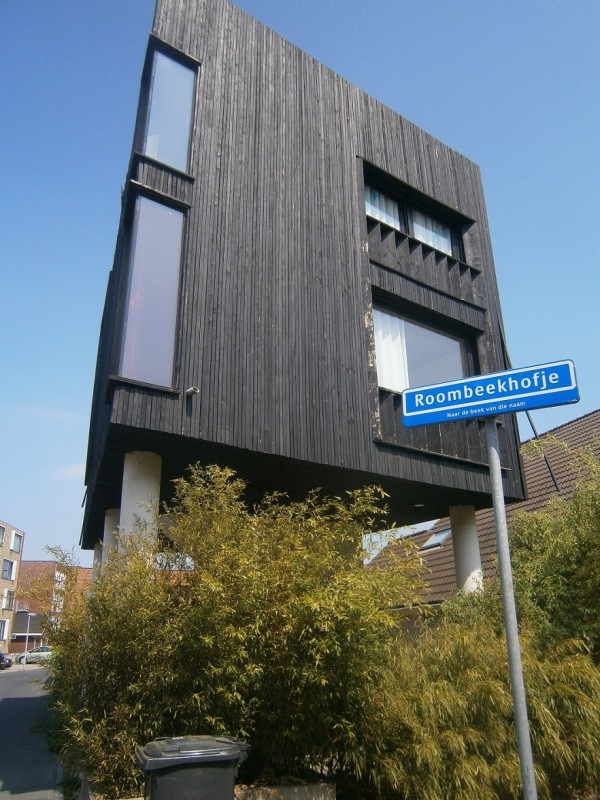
point(171, 750)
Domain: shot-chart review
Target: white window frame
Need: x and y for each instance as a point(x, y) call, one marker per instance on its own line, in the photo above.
point(12, 569)
point(5, 604)
point(2, 533)
point(3, 629)
point(16, 535)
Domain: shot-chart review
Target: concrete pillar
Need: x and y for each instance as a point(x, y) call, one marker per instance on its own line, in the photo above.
point(467, 558)
point(109, 540)
point(97, 560)
point(111, 527)
point(140, 493)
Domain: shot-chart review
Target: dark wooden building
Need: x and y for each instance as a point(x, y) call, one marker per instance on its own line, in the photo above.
point(291, 255)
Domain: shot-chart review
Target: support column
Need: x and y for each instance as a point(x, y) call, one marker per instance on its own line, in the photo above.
point(109, 539)
point(111, 527)
point(140, 493)
point(467, 558)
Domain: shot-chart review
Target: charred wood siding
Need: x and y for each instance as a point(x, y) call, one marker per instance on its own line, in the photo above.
point(280, 265)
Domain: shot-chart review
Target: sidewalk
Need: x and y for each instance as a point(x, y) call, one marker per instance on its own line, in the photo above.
point(28, 771)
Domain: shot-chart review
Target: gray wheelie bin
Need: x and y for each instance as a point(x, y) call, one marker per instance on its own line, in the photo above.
point(191, 767)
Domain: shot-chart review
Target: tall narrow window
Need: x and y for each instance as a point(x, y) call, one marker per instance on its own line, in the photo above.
point(8, 570)
point(17, 542)
point(170, 112)
point(148, 348)
point(410, 354)
point(8, 601)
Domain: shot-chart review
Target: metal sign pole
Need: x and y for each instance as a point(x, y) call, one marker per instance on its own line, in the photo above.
point(510, 615)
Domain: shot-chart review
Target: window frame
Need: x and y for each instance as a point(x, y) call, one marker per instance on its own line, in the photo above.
point(409, 201)
point(6, 561)
point(131, 226)
point(8, 599)
point(158, 47)
point(19, 536)
point(2, 535)
point(464, 341)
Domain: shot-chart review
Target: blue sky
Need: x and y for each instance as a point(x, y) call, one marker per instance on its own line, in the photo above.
point(514, 86)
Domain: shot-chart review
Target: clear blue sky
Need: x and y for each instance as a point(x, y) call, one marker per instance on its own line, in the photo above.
point(513, 85)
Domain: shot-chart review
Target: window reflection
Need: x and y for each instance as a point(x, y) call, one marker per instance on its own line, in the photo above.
point(147, 353)
point(170, 112)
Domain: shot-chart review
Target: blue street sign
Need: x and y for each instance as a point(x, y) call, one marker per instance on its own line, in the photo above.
point(487, 395)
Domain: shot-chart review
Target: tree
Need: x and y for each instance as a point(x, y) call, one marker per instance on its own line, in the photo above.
point(556, 559)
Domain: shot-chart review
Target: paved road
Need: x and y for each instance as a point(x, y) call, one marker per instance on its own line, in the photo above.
point(27, 770)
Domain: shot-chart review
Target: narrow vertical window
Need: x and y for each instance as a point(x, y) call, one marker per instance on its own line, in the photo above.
point(148, 348)
point(8, 570)
point(170, 112)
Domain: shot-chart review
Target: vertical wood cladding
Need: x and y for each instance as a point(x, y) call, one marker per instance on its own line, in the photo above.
point(280, 264)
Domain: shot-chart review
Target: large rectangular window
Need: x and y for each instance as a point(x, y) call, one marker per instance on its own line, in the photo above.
point(411, 354)
point(170, 112)
point(148, 347)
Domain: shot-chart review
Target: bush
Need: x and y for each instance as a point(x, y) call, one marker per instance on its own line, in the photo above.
point(266, 625)
point(449, 729)
point(262, 624)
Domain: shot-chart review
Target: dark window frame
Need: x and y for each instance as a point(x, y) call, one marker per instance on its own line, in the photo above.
point(124, 279)
point(409, 199)
point(157, 45)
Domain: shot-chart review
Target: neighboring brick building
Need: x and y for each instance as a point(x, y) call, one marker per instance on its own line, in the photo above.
point(11, 548)
point(39, 599)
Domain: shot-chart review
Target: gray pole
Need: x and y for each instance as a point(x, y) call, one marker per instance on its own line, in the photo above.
point(510, 615)
point(26, 640)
